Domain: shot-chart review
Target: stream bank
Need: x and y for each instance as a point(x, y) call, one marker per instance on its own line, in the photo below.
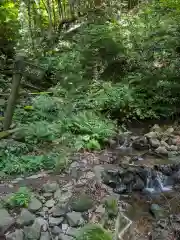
point(142, 172)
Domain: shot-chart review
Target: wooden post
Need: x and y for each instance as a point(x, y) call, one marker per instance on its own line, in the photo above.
point(18, 66)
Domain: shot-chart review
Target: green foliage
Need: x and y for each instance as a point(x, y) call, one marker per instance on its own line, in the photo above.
point(111, 206)
point(93, 232)
point(21, 198)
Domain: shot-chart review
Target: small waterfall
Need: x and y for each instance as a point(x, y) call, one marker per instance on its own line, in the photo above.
point(156, 184)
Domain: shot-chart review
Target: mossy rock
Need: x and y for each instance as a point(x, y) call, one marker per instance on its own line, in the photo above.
point(82, 204)
point(93, 232)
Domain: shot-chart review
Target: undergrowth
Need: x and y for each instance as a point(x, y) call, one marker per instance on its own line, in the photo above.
point(107, 72)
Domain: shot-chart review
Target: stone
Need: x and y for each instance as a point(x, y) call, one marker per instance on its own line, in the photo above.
point(55, 221)
point(157, 211)
point(36, 176)
point(65, 197)
point(56, 230)
point(33, 232)
point(74, 219)
point(140, 143)
point(98, 170)
point(65, 237)
point(82, 203)
point(50, 203)
point(58, 211)
point(165, 144)
point(45, 236)
point(161, 150)
point(72, 231)
point(48, 195)
point(173, 148)
point(50, 187)
point(169, 131)
point(156, 128)
point(34, 204)
point(64, 227)
point(138, 185)
point(26, 218)
point(6, 221)
point(58, 194)
point(151, 135)
point(17, 235)
point(154, 142)
point(100, 209)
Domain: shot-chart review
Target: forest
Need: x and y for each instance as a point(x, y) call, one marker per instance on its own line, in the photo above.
point(76, 78)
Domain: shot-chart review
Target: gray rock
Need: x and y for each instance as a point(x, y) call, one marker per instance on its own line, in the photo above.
point(74, 219)
point(156, 128)
point(65, 237)
point(169, 131)
point(173, 148)
point(151, 135)
point(45, 236)
point(56, 230)
point(55, 221)
point(50, 187)
point(17, 235)
point(162, 150)
point(100, 209)
point(64, 227)
point(165, 144)
point(157, 211)
point(47, 195)
point(50, 203)
point(64, 198)
point(57, 194)
point(98, 170)
point(26, 218)
point(33, 232)
point(6, 221)
point(34, 204)
point(140, 143)
point(72, 231)
point(82, 203)
point(58, 211)
point(154, 142)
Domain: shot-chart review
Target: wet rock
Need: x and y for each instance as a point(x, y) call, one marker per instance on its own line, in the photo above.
point(65, 237)
point(50, 203)
point(58, 211)
point(34, 204)
point(157, 211)
point(154, 142)
point(26, 218)
point(74, 219)
point(82, 203)
point(128, 178)
point(162, 150)
point(50, 187)
point(139, 185)
point(17, 235)
point(55, 221)
point(45, 236)
point(6, 221)
point(140, 143)
point(56, 230)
